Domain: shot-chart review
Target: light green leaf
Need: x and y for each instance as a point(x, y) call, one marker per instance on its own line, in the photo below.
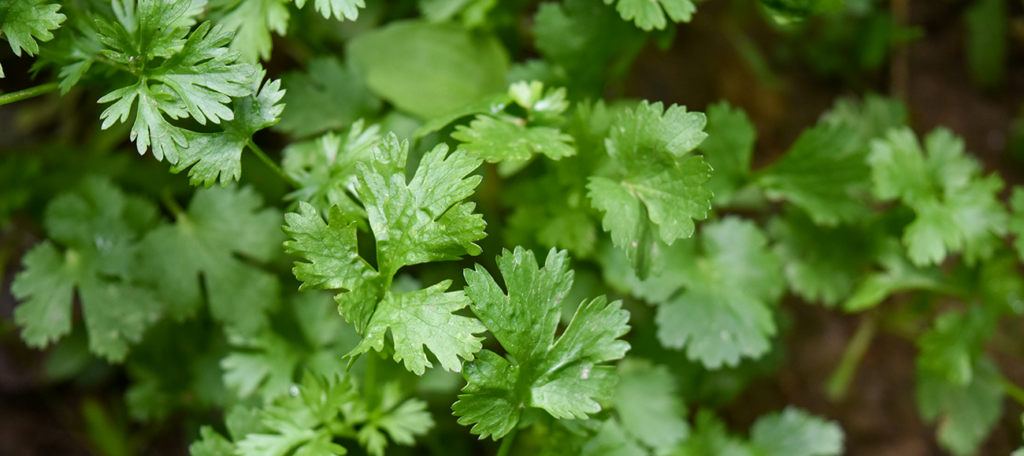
point(204, 250)
point(498, 140)
point(966, 413)
point(340, 9)
point(648, 406)
point(211, 443)
point(99, 226)
point(429, 69)
point(957, 209)
point(650, 14)
point(611, 440)
point(729, 287)
point(251, 22)
point(794, 432)
point(950, 348)
point(898, 275)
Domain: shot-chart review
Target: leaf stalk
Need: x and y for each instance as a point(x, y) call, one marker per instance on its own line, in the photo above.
point(270, 164)
point(30, 92)
point(506, 442)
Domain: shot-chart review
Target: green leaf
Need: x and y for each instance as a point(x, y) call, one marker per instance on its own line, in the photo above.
point(26, 21)
point(99, 226)
point(265, 364)
point(402, 420)
point(898, 275)
point(251, 21)
point(794, 432)
point(728, 149)
point(493, 104)
point(497, 140)
point(417, 222)
point(196, 78)
point(340, 9)
point(656, 192)
point(1015, 224)
point(205, 250)
point(650, 14)
point(549, 210)
point(565, 377)
point(211, 443)
point(611, 440)
point(328, 96)
point(823, 173)
point(966, 413)
point(822, 263)
point(730, 281)
point(590, 43)
point(648, 406)
point(956, 208)
point(421, 318)
point(950, 348)
point(429, 69)
point(218, 155)
point(710, 436)
point(325, 168)
point(872, 117)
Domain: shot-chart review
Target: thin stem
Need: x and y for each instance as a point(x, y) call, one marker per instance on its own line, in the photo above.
point(838, 384)
point(172, 205)
point(27, 93)
point(1012, 390)
point(270, 164)
point(506, 443)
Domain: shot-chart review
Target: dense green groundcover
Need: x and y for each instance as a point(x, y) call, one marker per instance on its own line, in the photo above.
point(514, 253)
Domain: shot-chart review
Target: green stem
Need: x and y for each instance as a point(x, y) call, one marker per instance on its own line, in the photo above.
point(1012, 390)
point(270, 164)
point(838, 384)
point(506, 443)
point(172, 205)
point(27, 93)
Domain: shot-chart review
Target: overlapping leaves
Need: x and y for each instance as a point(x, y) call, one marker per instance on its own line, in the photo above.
point(957, 209)
point(417, 222)
point(177, 74)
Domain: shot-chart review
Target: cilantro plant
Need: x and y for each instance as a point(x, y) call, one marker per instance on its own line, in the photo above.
point(522, 258)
